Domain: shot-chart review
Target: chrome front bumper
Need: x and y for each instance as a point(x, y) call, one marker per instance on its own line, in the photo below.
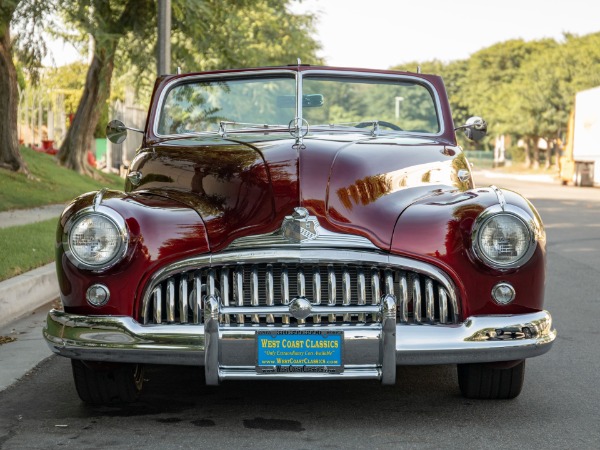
point(369, 351)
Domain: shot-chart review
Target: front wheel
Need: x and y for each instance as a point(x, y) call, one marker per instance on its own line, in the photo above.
point(99, 383)
point(497, 381)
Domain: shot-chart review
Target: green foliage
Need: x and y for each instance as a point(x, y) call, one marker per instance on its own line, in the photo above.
point(222, 34)
point(26, 247)
point(28, 18)
point(67, 80)
point(521, 88)
point(51, 183)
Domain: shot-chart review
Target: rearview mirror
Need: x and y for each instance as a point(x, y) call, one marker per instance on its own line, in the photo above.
point(308, 101)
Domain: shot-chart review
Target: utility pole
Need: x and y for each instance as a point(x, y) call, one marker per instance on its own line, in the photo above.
point(164, 37)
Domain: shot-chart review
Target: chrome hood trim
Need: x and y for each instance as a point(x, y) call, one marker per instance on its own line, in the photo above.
point(301, 230)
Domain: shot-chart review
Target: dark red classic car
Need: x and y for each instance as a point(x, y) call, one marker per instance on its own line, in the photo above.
point(300, 223)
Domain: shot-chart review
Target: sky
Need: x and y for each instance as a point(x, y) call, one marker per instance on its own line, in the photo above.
point(379, 34)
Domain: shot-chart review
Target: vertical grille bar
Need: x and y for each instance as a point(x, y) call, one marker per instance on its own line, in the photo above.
point(211, 289)
point(362, 291)
point(301, 287)
point(225, 290)
point(346, 291)
point(285, 292)
point(158, 305)
point(375, 289)
point(238, 290)
point(183, 299)
point(146, 306)
point(197, 298)
point(429, 301)
point(270, 291)
point(416, 294)
point(403, 298)
point(301, 282)
point(331, 289)
point(317, 291)
point(254, 291)
point(171, 300)
point(443, 305)
point(454, 304)
point(389, 282)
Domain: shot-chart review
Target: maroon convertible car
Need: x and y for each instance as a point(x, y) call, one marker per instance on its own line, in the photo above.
point(300, 222)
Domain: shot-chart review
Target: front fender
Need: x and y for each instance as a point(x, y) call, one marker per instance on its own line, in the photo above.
point(161, 231)
point(438, 230)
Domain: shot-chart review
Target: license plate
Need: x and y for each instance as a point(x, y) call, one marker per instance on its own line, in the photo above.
point(292, 351)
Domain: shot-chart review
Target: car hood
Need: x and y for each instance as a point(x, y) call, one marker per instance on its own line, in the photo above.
point(352, 184)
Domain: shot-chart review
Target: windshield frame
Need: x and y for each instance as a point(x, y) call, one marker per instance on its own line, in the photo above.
point(298, 76)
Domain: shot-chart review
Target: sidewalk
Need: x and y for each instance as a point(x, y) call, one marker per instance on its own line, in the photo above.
point(25, 216)
point(24, 293)
point(24, 303)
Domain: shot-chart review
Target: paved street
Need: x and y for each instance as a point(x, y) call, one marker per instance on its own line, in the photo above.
point(558, 407)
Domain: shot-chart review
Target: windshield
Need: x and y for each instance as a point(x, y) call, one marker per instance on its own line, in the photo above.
point(202, 106)
point(337, 103)
point(395, 104)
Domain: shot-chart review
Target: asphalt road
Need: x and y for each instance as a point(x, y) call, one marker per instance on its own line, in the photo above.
point(558, 408)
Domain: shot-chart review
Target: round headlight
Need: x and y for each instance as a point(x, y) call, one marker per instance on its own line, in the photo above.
point(95, 241)
point(503, 240)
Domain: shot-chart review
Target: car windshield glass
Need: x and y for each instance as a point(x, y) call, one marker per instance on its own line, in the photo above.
point(201, 105)
point(347, 103)
point(395, 104)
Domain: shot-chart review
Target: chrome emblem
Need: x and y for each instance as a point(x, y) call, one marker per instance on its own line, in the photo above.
point(300, 226)
point(300, 308)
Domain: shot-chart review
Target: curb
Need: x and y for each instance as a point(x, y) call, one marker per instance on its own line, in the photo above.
point(25, 293)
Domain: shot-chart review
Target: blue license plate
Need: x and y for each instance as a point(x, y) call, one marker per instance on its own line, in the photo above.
point(292, 351)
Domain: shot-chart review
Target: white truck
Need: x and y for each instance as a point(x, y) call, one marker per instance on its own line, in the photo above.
point(580, 163)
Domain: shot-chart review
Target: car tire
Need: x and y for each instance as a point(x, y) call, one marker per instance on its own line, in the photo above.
point(489, 381)
point(101, 384)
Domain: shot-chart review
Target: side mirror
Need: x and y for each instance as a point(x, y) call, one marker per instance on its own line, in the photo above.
point(116, 131)
point(475, 128)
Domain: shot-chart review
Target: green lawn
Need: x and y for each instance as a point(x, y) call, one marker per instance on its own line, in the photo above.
point(25, 247)
point(51, 183)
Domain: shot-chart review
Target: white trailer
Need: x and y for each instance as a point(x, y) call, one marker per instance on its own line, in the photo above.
point(581, 162)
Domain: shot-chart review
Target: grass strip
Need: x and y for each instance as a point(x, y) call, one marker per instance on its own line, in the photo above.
point(26, 247)
point(51, 183)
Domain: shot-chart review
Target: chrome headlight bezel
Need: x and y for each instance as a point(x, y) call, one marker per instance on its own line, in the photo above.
point(514, 213)
point(112, 217)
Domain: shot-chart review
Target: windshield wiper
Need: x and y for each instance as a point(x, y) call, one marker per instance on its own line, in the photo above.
point(249, 128)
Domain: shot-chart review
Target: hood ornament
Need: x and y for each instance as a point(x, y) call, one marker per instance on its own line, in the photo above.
point(300, 226)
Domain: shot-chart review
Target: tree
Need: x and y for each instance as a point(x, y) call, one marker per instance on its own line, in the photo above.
point(27, 14)
point(9, 96)
point(205, 35)
point(107, 22)
point(222, 34)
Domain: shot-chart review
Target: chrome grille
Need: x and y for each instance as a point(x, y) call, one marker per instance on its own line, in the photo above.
point(179, 297)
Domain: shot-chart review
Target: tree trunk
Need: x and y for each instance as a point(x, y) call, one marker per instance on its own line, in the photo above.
point(10, 158)
point(536, 153)
point(527, 142)
point(73, 151)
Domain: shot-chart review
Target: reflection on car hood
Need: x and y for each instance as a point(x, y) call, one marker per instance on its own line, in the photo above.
point(353, 184)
